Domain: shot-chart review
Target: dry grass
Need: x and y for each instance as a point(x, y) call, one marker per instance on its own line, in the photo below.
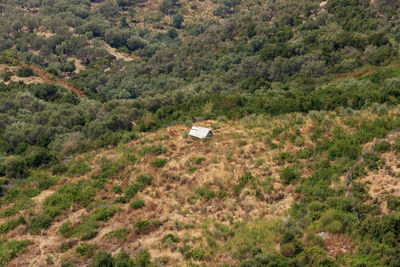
point(168, 199)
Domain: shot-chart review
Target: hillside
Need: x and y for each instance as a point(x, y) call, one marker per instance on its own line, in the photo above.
point(214, 201)
point(97, 98)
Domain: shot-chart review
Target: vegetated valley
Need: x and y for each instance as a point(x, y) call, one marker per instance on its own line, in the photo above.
point(97, 99)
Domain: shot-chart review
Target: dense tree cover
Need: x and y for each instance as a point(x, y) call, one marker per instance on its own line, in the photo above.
point(277, 42)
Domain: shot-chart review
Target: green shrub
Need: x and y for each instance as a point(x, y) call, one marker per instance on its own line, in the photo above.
point(17, 168)
point(381, 147)
point(192, 169)
point(372, 161)
point(116, 189)
point(137, 204)
point(170, 239)
point(158, 163)
point(59, 169)
point(103, 214)
point(102, 259)
point(9, 249)
point(39, 222)
point(132, 190)
point(196, 254)
point(86, 250)
point(197, 160)
point(25, 72)
point(157, 149)
point(120, 233)
point(141, 226)
point(78, 169)
point(144, 179)
point(205, 193)
point(46, 183)
point(393, 203)
point(336, 221)
point(289, 175)
point(11, 224)
point(145, 226)
point(334, 227)
point(244, 180)
point(305, 153)
point(142, 258)
point(396, 145)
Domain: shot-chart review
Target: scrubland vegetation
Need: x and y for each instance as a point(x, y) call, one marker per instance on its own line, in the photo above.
point(96, 100)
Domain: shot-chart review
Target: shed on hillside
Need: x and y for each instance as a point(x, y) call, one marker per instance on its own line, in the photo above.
point(200, 132)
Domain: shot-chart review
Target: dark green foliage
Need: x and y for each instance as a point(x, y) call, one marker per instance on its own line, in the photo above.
point(144, 179)
point(132, 190)
point(144, 226)
point(11, 224)
point(393, 203)
point(86, 250)
point(305, 153)
point(205, 193)
point(87, 228)
point(78, 169)
point(9, 249)
point(39, 222)
point(102, 259)
point(159, 162)
point(381, 147)
point(177, 20)
point(196, 254)
point(17, 168)
point(244, 180)
point(170, 238)
point(116, 189)
point(24, 72)
point(289, 175)
point(372, 161)
point(137, 204)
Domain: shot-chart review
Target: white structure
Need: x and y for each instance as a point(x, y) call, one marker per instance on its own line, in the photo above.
point(200, 132)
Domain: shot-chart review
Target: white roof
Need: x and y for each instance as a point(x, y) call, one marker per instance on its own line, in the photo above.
point(200, 132)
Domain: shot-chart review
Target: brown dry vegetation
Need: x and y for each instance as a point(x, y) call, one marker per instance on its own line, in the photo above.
point(172, 197)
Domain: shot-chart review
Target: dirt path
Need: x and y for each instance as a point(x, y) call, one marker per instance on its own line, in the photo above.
point(47, 77)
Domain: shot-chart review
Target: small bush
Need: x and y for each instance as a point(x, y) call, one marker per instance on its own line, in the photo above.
point(78, 169)
point(39, 222)
point(102, 259)
point(205, 193)
point(86, 250)
point(196, 254)
point(11, 224)
point(103, 214)
point(305, 153)
point(116, 189)
point(244, 180)
point(145, 226)
point(198, 160)
point(144, 179)
point(120, 233)
point(9, 249)
point(25, 72)
point(158, 163)
point(289, 175)
point(17, 168)
point(59, 169)
point(381, 147)
point(132, 190)
point(137, 204)
point(170, 239)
